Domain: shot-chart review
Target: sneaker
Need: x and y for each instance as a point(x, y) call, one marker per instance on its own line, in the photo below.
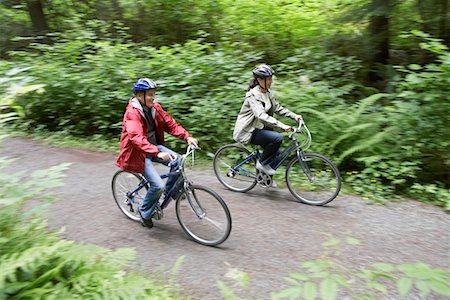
point(274, 184)
point(265, 168)
point(145, 222)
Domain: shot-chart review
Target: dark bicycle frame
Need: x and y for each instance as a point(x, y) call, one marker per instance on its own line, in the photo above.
point(167, 198)
point(285, 154)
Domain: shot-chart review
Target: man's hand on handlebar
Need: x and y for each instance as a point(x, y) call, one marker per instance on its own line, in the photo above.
point(165, 156)
point(192, 141)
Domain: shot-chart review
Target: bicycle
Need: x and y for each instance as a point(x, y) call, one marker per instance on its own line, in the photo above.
point(310, 177)
point(201, 212)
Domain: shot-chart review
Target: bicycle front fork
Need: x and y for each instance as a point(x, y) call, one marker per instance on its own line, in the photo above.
point(302, 160)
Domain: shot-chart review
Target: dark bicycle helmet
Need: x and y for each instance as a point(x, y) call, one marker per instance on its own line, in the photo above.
point(263, 71)
point(144, 84)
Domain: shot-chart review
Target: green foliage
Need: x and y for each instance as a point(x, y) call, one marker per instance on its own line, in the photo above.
point(13, 22)
point(422, 109)
point(159, 23)
point(14, 85)
point(276, 26)
point(437, 194)
point(328, 277)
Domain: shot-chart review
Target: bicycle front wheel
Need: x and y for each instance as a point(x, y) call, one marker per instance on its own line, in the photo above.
point(235, 168)
point(314, 181)
point(203, 215)
point(123, 183)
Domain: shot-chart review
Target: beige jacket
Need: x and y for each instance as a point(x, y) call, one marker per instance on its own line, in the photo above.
point(255, 111)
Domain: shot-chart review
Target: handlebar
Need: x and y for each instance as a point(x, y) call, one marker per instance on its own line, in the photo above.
point(298, 129)
point(190, 149)
point(302, 128)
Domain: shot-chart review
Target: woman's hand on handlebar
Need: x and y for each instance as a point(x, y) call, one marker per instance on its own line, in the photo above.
point(299, 118)
point(287, 128)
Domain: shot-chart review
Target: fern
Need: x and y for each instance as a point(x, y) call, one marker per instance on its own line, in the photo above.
point(324, 117)
point(350, 132)
point(378, 138)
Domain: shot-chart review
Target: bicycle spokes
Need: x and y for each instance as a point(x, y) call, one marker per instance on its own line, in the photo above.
point(203, 215)
point(127, 191)
point(235, 168)
point(313, 179)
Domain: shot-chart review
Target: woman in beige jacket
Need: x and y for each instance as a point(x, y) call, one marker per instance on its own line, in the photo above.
point(255, 122)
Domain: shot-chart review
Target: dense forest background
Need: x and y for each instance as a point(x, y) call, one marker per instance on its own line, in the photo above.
point(370, 77)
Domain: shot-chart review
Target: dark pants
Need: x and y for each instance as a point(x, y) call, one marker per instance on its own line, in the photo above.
point(269, 140)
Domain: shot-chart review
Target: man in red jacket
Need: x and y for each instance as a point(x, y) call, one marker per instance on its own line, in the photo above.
point(142, 143)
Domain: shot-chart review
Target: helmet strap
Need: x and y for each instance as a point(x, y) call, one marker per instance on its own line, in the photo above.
point(265, 84)
point(145, 100)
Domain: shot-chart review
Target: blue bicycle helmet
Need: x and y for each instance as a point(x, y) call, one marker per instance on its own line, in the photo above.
point(263, 71)
point(144, 84)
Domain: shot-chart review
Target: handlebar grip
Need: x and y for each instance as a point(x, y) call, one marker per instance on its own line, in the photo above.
point(192, 147)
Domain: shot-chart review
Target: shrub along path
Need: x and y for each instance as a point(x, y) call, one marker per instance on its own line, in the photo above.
point(271, 232)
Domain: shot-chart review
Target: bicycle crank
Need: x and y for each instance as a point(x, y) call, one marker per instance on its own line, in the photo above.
point(264, 179)
point(128, 202)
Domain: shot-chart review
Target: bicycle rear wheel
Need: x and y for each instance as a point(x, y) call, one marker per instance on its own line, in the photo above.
point(316, 182)
point(203, 215)
point(123, 183)
point(234, 168)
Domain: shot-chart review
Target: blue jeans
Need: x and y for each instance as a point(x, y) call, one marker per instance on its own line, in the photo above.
point(157, 186)
point(270, 141)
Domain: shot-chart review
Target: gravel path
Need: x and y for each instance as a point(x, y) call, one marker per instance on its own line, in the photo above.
point(271, 233)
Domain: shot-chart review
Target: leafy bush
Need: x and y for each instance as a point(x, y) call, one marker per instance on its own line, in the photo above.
point(421, 110)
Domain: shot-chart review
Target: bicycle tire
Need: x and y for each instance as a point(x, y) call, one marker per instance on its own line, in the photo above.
point(203, 215)
point(122, 183)
point(325, 183)
point(242, 179)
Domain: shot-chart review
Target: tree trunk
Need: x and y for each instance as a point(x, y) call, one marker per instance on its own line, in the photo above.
point(379, 39)
point(117, 10)
point(435, 17)
point(445, 22)
point(37, 16)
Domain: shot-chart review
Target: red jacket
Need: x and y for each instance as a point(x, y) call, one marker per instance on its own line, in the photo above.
point(134, 144)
